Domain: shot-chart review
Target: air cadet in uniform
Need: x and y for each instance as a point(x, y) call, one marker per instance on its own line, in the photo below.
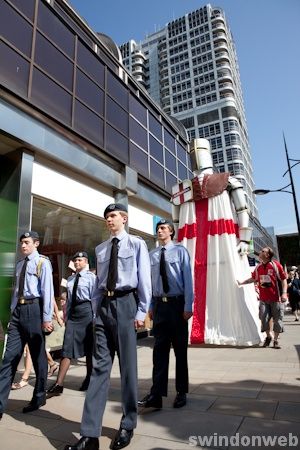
point(123, 293)
point(170, 309)
point(32, 309)
point(78, 338)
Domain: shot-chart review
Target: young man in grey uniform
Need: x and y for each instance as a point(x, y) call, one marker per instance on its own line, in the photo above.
point(171, 307)
point(123, 294)
point(32, 309)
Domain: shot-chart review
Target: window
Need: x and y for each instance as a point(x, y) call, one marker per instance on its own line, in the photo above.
point(156, 149)
point(55, 29)
point(88, 123)
point(16, 80)
point(116, 115)
point(138, 134)
point(48, 95)
point(53, 61)
point(20, 34)
point(89, 92)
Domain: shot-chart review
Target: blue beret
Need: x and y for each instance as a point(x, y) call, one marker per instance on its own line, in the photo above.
point(80, 255)
point(166, 222)
point(114, 207)
point(32, 234)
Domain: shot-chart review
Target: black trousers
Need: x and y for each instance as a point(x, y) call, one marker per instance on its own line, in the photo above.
point(114, 332)
point(169, 328)
point(25, 328)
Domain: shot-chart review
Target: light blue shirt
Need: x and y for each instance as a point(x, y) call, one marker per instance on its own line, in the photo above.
point(179, 273)
point(133, 269)
point(84, 289)
point(36, 284)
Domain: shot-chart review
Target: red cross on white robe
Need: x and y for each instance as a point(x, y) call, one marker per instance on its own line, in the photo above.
point(200, 229)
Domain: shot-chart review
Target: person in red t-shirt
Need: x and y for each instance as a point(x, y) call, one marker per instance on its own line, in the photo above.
point(265, 275)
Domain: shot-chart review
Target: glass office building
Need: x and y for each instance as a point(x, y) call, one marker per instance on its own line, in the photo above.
point(190, 68)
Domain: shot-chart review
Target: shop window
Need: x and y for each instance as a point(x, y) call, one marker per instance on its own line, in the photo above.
point(54, 28)
point(53, 61)
point(51, 97)
point(89, 92)
point(15, 29)
point(14, 73)
point(64, 231)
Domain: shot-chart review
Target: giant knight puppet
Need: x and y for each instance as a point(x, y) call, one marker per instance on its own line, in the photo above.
point(212, 222)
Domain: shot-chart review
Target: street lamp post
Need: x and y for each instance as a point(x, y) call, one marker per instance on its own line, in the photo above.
point(283, 189)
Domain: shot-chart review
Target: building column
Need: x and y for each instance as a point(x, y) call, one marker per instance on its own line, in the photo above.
point(128, 187)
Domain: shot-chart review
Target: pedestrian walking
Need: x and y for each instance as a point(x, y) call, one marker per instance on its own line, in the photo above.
point(122, 295)
point(271, 280)
point(78, 338)
point(31, 317)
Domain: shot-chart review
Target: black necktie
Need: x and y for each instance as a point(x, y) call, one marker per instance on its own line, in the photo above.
point(22, 278)
point(74, 291)
point(112, 276)
point(163, 271)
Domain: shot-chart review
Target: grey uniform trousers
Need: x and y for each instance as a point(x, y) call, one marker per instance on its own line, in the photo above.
point(25, 327)
point(114, 332)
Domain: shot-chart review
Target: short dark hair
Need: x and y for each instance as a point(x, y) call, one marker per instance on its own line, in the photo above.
point(270, 252)
point(170, 225)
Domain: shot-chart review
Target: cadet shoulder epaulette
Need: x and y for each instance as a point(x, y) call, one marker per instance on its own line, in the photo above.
point(43, 256)
point(39, 265)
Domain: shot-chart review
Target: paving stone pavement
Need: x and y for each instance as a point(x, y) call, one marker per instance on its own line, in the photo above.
point(239, 397)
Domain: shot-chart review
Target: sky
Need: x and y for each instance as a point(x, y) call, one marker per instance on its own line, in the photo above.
point(266, 35)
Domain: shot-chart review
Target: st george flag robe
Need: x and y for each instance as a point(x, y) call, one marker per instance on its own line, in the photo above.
point(224, 313)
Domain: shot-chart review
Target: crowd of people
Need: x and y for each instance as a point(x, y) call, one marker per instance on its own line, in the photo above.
point(104, 312)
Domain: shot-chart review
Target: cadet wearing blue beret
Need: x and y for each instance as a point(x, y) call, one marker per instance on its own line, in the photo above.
point(123, 294)
point(32, 309)
point(171, 307)
point(78, 338)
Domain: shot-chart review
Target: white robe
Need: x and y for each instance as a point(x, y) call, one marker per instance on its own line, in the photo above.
point(224, 313)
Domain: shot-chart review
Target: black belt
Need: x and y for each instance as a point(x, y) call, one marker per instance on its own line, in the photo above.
point(169, 299)
point(118, 293)
point(28, 301)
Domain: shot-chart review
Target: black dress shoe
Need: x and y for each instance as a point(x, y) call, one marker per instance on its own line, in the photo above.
point(54, 390)
point(34, 405)
point(180, 400)
point(151, 401)
point(122, 439)
point(1, 414)
point(85, 443)
point(85, 384)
